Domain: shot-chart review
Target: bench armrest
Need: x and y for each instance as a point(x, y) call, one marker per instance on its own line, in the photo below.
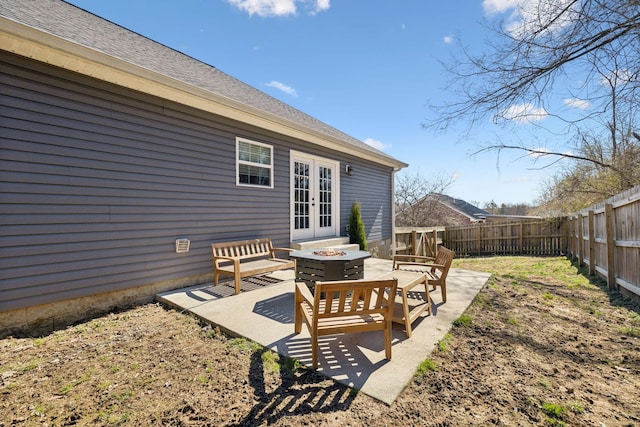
point(282, 249)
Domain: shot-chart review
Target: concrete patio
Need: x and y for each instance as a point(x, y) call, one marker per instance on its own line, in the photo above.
point(263, 312)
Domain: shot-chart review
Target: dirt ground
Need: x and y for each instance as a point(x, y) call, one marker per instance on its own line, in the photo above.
point(541, 345)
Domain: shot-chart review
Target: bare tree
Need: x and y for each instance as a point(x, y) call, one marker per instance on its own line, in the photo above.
point(520, 77)
point(515, 76)
point(584, 183)
point(410, 190)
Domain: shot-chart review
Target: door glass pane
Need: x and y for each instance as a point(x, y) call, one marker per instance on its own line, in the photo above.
point(324, 196)
point(301, 209)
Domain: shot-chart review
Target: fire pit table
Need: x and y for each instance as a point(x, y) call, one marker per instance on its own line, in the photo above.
point(314, 265)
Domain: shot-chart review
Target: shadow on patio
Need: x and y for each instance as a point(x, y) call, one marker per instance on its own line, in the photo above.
point(263, 312)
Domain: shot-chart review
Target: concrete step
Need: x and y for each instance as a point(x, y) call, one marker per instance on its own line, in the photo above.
point(348, 247)
point(333, 242)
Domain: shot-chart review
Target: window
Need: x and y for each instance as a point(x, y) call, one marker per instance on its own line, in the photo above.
point(254, 163)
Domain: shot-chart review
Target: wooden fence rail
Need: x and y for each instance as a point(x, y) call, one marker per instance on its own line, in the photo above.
point(516, 237)
point(418, 241)
point(605, 237)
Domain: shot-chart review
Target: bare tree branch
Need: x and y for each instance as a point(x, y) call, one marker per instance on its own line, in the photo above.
point(523, 66)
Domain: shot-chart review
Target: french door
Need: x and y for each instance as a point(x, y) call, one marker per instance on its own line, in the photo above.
point(314, 197)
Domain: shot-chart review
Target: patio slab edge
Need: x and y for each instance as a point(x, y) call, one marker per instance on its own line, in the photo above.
point(355, 360)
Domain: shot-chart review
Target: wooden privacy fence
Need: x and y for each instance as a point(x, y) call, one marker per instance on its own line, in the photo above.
point(606, 237)
point(418, 241)
point(515, 237)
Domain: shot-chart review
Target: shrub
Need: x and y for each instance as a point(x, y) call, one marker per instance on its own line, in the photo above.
point(357, 234)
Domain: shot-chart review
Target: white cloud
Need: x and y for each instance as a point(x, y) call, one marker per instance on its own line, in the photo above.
point(531, 16)
point(269, 8)
point(283, 87)
point(618, 77)
point(498, 6)
point(539, 152)
point(376, 144)
point(544, 152)
point(581, 104)
point(448, 39)
point(321, 6)
point(524, 113)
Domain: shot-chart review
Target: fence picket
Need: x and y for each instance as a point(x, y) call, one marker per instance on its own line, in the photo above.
point(606, 237)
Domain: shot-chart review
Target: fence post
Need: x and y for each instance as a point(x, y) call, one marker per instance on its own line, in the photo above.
point(592, 245)
point(580, 239)
point(570, 237)
point(565, 233)
point(432, 244)
point(414, 242)
point(611, 266)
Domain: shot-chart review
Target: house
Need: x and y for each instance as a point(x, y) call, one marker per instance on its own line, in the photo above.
point(437, 209)
point(114, 147)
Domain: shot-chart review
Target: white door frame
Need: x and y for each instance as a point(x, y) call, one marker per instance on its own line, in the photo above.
point(320, 212)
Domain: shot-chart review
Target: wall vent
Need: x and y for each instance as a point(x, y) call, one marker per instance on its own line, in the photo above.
point(182, 245)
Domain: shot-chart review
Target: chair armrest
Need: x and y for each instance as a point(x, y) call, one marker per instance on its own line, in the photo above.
point(433, 265)
point(413, 257)
point(397, 265)
point(303, 292)
point(410, 258)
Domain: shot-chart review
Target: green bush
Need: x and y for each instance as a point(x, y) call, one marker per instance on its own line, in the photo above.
point(357, 234)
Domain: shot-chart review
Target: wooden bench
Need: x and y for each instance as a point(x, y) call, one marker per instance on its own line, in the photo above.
point(345, 306)
point(436, 268)
point(247, 258)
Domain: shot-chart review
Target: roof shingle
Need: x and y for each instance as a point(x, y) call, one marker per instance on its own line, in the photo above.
point(71, 23)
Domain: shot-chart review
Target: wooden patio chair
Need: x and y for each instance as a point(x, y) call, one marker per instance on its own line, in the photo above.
point(344, 307)
point(436, 268)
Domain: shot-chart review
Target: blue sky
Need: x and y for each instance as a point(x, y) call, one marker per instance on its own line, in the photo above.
point(366, 67)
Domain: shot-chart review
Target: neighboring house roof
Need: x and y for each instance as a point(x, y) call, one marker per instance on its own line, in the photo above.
point(66, 36)
point(474, 213)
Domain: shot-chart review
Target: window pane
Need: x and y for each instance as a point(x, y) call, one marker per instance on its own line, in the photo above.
point(254, 153)
point(250, 158)
point(254, 175)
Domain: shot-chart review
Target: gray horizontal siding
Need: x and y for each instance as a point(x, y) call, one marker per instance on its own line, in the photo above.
point(370, 186)
point(97, 183)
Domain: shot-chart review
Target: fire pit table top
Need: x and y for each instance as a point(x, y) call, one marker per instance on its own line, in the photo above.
point(325, 254)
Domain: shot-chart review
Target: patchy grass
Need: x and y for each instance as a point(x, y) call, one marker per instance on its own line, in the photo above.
point(541, 344)
point(426, 366)
point(462, 321)
point(443, 344)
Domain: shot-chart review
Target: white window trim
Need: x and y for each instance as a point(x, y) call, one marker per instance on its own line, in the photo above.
point(260, 165)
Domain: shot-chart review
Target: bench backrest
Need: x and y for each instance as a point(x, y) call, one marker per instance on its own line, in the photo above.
point(243, 249)
point(354, 297)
